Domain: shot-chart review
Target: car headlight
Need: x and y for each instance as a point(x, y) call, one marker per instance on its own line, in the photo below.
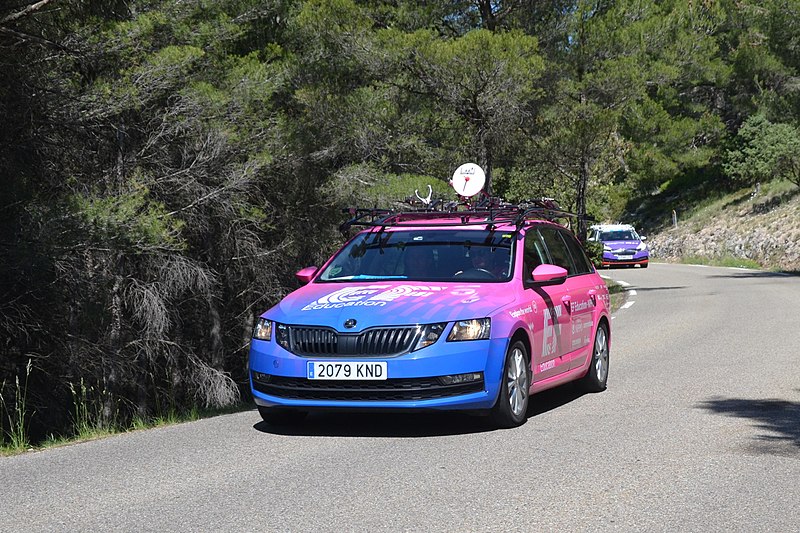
point(430, 333)
point(263, 330)
point(642, 246)
point(471, 330)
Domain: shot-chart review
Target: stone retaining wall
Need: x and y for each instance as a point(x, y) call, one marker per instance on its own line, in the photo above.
point(772, 239)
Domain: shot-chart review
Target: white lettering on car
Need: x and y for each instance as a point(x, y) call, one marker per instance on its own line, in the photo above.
point(552, 331)
point(519, 312)
point(547, 365)
point(580, 306)
point(366, 296)
point(415, 291)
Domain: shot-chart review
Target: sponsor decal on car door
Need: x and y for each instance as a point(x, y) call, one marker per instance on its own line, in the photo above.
point(550, 334)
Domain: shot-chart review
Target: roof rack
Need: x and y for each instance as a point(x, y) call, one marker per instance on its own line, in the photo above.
point(488, 212)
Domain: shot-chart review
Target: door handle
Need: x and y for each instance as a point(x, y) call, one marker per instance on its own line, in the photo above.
point(567, 301)
point(593, 296)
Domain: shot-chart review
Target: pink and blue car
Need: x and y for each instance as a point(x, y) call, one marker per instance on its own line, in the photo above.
point(472, 310)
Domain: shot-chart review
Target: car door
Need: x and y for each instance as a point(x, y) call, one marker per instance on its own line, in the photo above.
point(583, 300)
point(549, 321)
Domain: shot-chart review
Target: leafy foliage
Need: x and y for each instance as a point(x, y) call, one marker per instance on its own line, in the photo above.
point(766, 151)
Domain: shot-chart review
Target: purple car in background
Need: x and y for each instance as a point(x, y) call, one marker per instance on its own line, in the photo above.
point(621, 245)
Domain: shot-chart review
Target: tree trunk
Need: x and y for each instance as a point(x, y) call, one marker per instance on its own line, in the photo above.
point(112, 358)
point(580, 200)
point(247, 335)
point(217, 347)
point(486, 161)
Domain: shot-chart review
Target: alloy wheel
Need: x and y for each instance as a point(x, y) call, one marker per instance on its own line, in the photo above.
point(517, 382)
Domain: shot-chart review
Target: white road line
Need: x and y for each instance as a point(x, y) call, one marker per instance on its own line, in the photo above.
point(624, 283)
point(786, 274)
point(627, 305)
point(632, 292)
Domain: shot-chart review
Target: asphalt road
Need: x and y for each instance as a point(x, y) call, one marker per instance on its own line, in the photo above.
point(699, 430)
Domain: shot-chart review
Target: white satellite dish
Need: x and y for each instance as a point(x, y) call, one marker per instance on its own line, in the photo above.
point(468, 179)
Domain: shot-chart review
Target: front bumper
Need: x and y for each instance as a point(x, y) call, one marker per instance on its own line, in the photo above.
point(638, 258)
point(278, 379)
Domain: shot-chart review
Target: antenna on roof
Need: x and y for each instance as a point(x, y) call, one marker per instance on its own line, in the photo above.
point(468, 180)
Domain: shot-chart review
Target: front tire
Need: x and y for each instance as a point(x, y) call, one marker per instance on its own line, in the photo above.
point(596, 378)
point(277, 416)
point(511, 408)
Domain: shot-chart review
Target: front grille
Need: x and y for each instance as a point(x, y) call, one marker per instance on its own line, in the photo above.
point(387, 390)
point(318, 341)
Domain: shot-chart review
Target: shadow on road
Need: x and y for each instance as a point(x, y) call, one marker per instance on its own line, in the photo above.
point(756, 274)
point(381, 424)
point(780, 419)
point(412, 424)
point(554, 398)
point(646, 289)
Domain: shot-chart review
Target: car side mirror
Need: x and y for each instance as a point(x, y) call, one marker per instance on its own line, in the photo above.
point(305, 275)
point(549, 275)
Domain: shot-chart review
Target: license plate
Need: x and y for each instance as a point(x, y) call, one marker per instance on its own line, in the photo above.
point(373, 370)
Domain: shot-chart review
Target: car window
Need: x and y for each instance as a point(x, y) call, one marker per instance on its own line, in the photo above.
point(559, 254)
point(619, 235)
point(582, 264)
point(534, 254)
point(424, 255)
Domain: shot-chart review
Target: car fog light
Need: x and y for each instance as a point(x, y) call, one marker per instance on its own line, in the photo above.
point(455, 379)
point(259, 376)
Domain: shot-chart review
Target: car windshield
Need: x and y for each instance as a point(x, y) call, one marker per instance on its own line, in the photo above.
point(619, 235)
point(424, 255)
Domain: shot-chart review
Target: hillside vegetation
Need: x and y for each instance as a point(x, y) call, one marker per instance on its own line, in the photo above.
point(168, 165)
point(746, 228)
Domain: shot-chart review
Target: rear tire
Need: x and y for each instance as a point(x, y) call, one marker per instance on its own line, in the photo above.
point(278, 416)
point(596, 378)
point(644, 265)
point(511, 408)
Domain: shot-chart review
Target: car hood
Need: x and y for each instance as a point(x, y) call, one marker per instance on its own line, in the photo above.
point(389, 303)
point(622, 244)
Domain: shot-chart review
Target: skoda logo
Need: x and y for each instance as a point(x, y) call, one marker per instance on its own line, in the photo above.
point(350, 323)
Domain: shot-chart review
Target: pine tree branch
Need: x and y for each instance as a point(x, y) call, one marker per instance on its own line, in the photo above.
point(26, 37)
point(30, 9)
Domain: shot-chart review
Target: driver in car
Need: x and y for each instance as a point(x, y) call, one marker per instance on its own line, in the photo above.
point(484, 260)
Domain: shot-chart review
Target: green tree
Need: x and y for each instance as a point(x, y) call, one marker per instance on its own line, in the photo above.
point(599, 77)
point(765, 151)
point(760, 43)
point(482, 87)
